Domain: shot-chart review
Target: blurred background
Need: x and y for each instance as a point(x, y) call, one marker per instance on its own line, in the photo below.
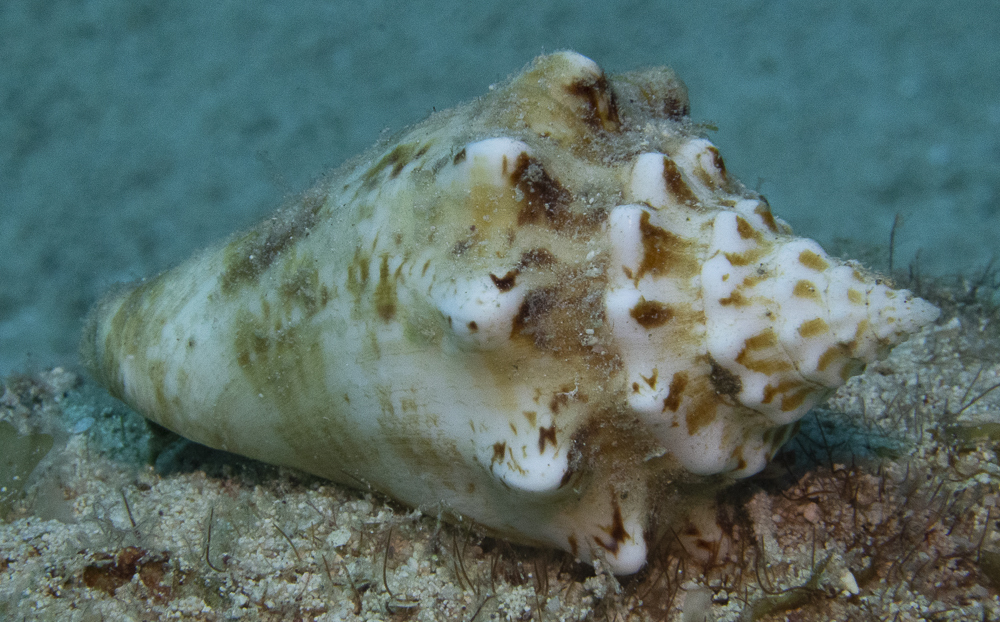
point(133, 132)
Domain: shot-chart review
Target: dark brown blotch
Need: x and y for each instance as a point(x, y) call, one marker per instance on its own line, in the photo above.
point(506, 282)
point(600, 107)
point(357, 273)
point(741, 462)
point(545, 436)
point(664, 252)
point(545, 202)
point(770, 362)
point(736, 299)
point(396, 160)
point(835, 352)
point(552, 318)
point(530, 416)
point(558, 400)
point(717, 160)
point(499, 451)
point(385, 291)
point(616, 531)
point(536, 258)
point(676, 186)
point(650, 313)
point(806, 289)
point(764, 211)
point(750, 256)
point(771, 391)
point(746, 230)
point(813, 327)
point(764, 339)
point(651, 380)
point(813, 261)
point(529, 316)
point(676, 108)
point(792, 401)
point(724, 381)
point(701, 412)
point(566, 478)
point(675, 392)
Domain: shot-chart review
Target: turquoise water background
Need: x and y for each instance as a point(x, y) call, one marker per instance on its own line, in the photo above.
point(134, 132)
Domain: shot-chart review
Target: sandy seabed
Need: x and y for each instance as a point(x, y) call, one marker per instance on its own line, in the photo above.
point(884, 507)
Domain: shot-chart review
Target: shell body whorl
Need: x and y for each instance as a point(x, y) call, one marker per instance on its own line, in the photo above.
point(541, 310)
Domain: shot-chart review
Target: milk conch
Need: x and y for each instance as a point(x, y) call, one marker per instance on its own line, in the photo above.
point(547, 310)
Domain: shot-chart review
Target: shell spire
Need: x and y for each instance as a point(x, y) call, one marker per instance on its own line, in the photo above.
point(545, 310)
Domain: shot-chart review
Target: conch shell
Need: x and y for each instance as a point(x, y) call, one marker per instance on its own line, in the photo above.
point(545, 310)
